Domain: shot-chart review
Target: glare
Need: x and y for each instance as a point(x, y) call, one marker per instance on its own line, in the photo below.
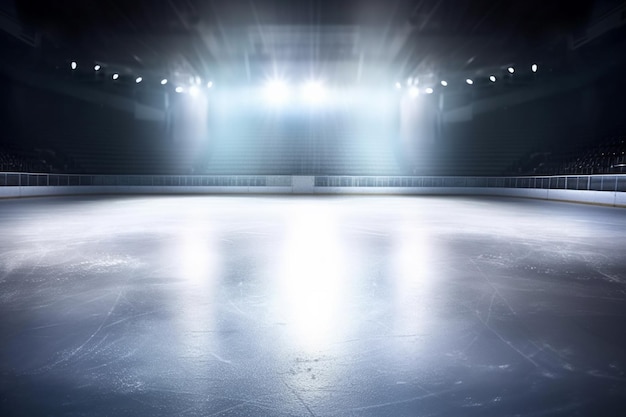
point(534, 68)
point(429, 90)
point(492, 78)
point(511, 70)
point(398, 86)
point(74, 65)
point(313, 278)
point(198, 80)
point(115, 76)
point(414, 92)
point(409, 81)
point(209, 84)
point(164, 81)
point(469, 81)
point(444, 83)
point(193, 91)
point(97, 67)
point(138, 80)
point(179, 89)
point(313, 91)
point(276, 91)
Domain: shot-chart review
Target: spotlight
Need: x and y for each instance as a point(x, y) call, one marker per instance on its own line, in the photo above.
point(73, 65)
point(444, 83)
point(97, 67)
point(138, 80)
point(492, 78)
point(179, 89)
point(469, 81)
point(164, 81)
point(314, 91)
point(511, 70)
point(115, 76)
point(534, 68)
point(398, 86)
point(429, 90)
point(276, 91)
point(414, 92)
point(209, 84)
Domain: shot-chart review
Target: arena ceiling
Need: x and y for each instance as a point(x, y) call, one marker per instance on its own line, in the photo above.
point(241, 37)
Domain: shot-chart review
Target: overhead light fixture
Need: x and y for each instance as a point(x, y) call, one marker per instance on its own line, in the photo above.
point(74, 65)
point(444, 83)
point(138, 80)
point(469, 81)
point(314, 91)
point(179, 89)
point(164, 81)
point(534, 68)
point(492, 78)
point(276, 91)
point(429, 90)
point(115, 76)
point(511, 70)
point(97, 67)
point(193, 91)
point(414, 92)
point(209, 84)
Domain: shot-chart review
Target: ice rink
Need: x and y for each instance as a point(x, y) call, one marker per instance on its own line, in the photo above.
point(311, 306)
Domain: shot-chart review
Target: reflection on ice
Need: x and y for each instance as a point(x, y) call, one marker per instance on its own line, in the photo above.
point(313, 277)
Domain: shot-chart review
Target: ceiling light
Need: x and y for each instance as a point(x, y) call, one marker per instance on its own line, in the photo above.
point(73, 65)
point(115, 76)
point(414, 92)
point(138, 80)
point(511, 70)
point(429, 90)
point(492, 78)
point(209, 84)
point(97, 67)
point(444, 83)
point(469, 81)
point(179, 89)
point(164, 81)
point(398, 86)
point(534, 68)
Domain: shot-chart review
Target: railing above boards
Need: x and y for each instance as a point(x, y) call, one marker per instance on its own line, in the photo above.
point(570, 182)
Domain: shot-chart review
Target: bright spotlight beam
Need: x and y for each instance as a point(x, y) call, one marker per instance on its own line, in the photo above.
point(276, 92)
point(313, 91)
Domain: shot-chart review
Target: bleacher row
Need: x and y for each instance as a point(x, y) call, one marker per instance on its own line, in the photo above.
point(606, 156)
point(334, 150)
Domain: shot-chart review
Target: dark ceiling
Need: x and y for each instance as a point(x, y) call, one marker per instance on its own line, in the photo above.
point(410, 36)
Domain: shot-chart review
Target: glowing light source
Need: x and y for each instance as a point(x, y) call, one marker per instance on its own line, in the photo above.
point(492, 78)
point(398, 86)
point(73, 65)
point(164, 81)
point(429, 90)
point(209, 84)
point(276, 91)
point(511, 70)
point(97, 67)
point(469, 81)
point(444, 83)
point(179, 89)
point(193, 91)
point(115, 76)
point(314, 91)
point(534, 67)
point(138, 80)
point(414, 92)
